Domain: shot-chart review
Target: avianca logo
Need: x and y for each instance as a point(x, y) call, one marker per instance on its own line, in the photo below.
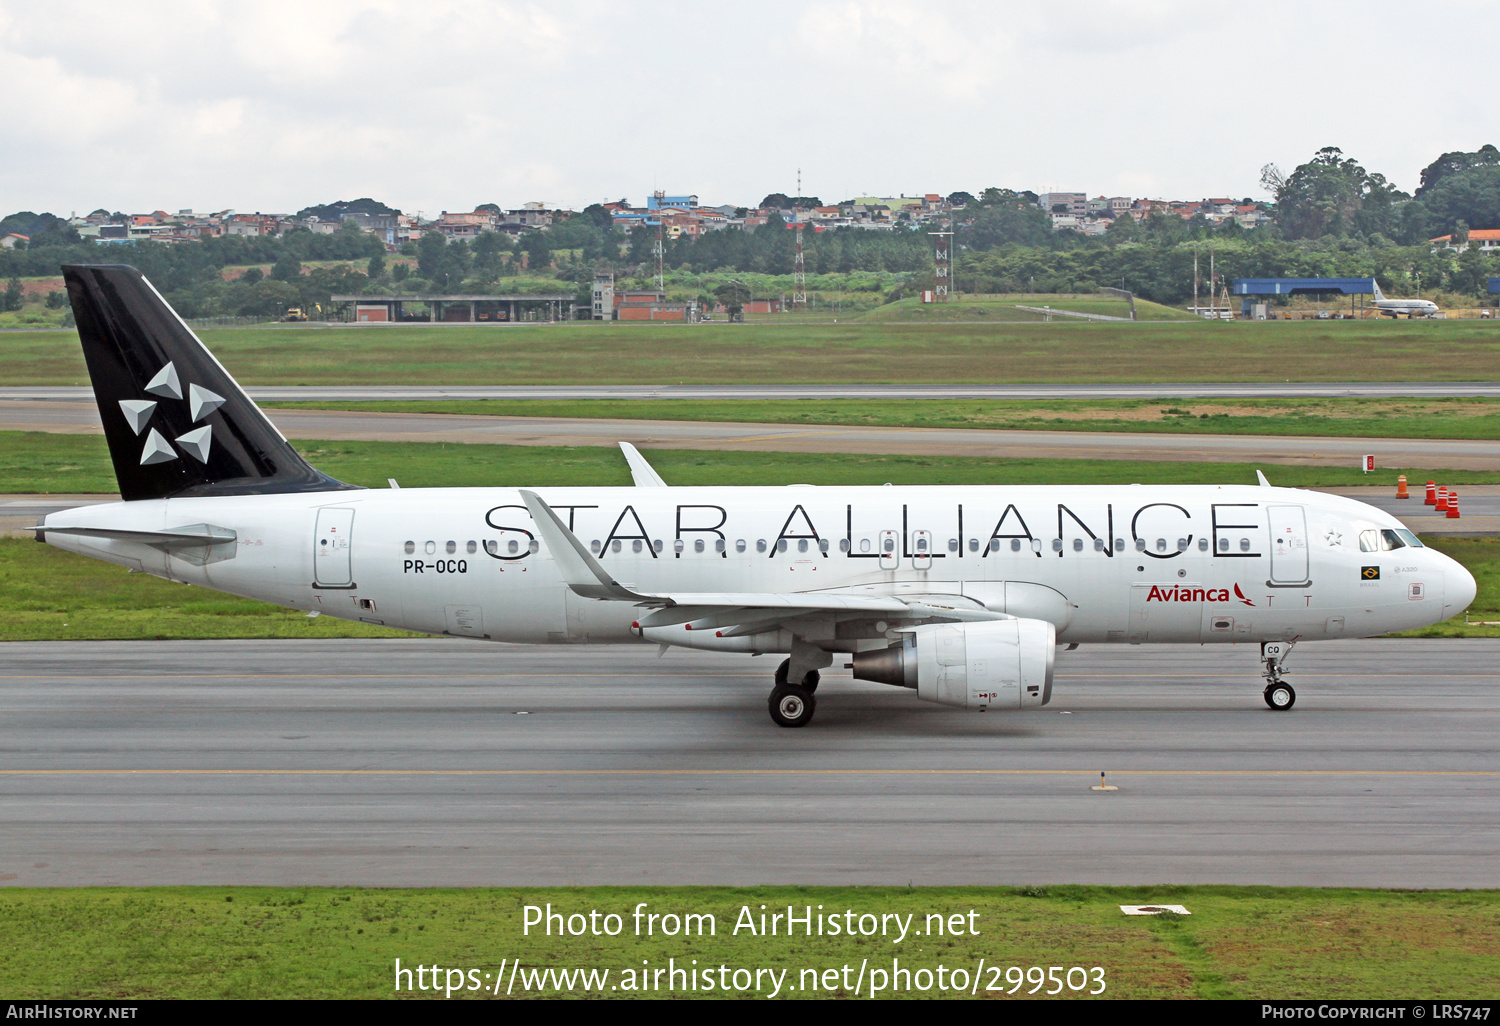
point(1176, 594)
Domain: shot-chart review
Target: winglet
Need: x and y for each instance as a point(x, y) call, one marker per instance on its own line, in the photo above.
point(580, 571)
point(1262, 479)
point(644, 475)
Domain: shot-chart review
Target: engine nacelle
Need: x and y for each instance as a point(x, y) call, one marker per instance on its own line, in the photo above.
point(1006, 664)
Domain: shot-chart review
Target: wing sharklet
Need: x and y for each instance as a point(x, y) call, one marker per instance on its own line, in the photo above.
point(642, 473)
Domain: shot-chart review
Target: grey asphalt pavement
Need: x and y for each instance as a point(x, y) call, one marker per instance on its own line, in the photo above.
point(1460, 454)
point(411, 763)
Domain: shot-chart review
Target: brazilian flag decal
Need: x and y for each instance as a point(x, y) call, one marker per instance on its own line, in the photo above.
point(1369, 573)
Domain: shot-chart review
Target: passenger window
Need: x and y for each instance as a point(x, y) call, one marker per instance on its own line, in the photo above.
point(719, 545)
point(656, 546)
point(1369, 541)
point(843, 544)
point(410, 547)
point(595, 546)
point(615, 546)
point(889, 545)
point(534, 547)
point(1202, 544)
point(513, 546)
point(973, 544)
point(697, 544)
point(471, 547)
point(864, 545)
point(1098, 544)
point(1161, 545)
point(739, 545)
point(1391, 540)
point(822, 544)
point(760, 545)
point(1223, 544)
point(801, 544)
point(780, 544)
point(1077, 544)
point(1140, 545)
point(1244, 544)
point(921, 544)
point(452, 547)
point(1182, 544)
point(492, 546)
point(430, 547)
point(1119, 544)
point(636, 546)
point(678, 546)
point(952, 544)
point(1056, 544)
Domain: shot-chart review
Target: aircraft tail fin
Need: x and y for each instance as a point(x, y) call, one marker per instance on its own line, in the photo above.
point(1379, 296)
point(177, 424)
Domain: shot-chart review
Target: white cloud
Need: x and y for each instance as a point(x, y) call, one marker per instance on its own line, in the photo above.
point(272, 104)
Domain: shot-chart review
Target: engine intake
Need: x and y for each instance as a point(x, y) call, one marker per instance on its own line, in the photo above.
point(1007, 664)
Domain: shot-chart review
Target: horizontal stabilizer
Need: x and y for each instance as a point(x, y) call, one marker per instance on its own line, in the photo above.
point(197, 544)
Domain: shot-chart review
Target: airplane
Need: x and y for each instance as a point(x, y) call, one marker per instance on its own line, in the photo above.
point(1410, 307)
point(962, 594)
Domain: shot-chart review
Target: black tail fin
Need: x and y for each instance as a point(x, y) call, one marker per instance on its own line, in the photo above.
point(176, 422)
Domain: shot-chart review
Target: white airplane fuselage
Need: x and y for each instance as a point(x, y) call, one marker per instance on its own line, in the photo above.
point(1126, 564)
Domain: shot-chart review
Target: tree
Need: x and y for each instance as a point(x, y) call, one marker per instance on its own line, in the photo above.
point(734, 295)
point(961, 199)
point(12, 298)
point(776, 201)
point(287, 268)
point(1456, 163)
point(376, 267)
point(1323, 196)
point(336, 211)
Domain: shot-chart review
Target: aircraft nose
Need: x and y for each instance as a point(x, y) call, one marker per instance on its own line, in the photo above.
point(1459, 589)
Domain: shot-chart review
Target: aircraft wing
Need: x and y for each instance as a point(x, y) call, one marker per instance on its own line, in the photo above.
point(748, 612)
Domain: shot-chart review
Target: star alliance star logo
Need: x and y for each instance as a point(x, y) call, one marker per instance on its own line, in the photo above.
point(201, 402)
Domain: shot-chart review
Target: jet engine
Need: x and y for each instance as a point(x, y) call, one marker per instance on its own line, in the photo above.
point(1002, 663)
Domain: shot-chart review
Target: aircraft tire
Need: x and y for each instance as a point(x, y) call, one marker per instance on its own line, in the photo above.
point(792, 706)
point(1280, 697)
point(809, 682)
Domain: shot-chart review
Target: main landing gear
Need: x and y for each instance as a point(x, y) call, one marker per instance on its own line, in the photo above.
point(793, 705)
point(1279, 695)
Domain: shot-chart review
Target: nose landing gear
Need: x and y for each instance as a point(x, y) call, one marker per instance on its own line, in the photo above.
point(1279, 695)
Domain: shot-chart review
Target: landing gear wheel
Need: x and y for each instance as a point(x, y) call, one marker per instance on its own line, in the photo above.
point(792, 706)
point(809, 682)
point(1280, 696)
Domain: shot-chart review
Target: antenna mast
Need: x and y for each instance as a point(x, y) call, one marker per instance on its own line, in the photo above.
point(799, 267)
point(941, 260)
point(661, 277)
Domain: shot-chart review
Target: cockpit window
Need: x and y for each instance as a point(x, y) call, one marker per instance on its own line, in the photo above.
point(1391, 540)
point(1369, 541)
point(1411, 539)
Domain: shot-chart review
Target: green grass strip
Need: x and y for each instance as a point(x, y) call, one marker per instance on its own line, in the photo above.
point(1242, 942)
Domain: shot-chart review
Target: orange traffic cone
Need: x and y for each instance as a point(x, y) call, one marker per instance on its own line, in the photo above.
point(1431, 499)
point(1442, 500)
point(1452, 505)
point(1401, 492)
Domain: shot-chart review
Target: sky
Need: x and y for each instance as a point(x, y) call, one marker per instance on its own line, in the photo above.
point(269, 105)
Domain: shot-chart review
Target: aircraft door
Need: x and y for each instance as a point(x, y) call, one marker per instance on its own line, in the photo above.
point(921, 550)
point(1288, 544)
point(331, 549)
point(890, 555)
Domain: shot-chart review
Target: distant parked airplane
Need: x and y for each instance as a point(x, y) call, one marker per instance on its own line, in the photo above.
point(1409, 307)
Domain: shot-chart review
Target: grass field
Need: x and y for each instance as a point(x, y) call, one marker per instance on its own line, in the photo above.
point(1239, 942)
point(1008, 308)
point(584, 353)
point(38, 462)
point(1344, 418)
